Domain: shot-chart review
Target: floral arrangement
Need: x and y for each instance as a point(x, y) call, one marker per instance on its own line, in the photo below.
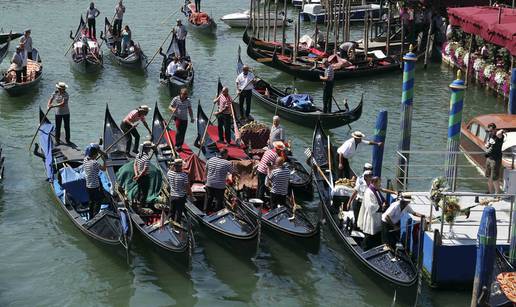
point(478, 65)
point(488, 70)
point(506, 86)
point(466, 59)
point(449, 204)
point(460, 51)
point(500, 76)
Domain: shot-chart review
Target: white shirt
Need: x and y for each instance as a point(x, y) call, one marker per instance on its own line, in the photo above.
point(394, 212)
point(172, 68)
point(243, 80)
point(349, 147)
point(181, 32)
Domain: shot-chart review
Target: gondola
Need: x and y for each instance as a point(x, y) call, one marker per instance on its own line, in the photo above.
point(179, 80)
point(5, 37)
point(34, 74)
point(63, 165)
point(163, 236)
point(86, 56)
point(200, 21)
point(136, 59)
point(269, 97)
point(232, 225)
point(307, 69)
point(3, 51)
point(394, 270)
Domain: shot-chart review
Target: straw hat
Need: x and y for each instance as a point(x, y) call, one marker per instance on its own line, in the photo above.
point(147, 144)
point(178, 161)
point(368, 166)
point(368, 173)
point(358, 135)
point(61, 85)
point(278, 145)
point(144, 108)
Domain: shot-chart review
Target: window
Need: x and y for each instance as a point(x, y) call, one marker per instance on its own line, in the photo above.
point(482, 134)
point(474, 128)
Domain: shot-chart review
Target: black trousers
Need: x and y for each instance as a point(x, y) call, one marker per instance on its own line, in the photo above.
point(24, 74)
point(181, 126)
point(134, 133)
point(327, 96)
point(198, 5)
point(18, 76)
point(345, 172)
point(218, 195)
point(96, 196)
point(224, 125)
point(246, 96)
point(117, 27)
point(356, 210)
point(261, 184)
point(177, 205)
point(181, 44)
point(29, 55)
point(371, 241)
point(389, 235)
point(278, 200)
point(59, 120)
point(91, 28)
point(143, 189)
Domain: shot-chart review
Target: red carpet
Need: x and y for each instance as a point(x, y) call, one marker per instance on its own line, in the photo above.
point(234, 151)
point(186, 152)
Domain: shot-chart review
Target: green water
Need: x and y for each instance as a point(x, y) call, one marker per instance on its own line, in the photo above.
point(46, 261)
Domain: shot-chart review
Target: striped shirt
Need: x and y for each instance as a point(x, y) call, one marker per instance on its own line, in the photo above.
point(92, 13)
point(133, 117)
point(59, 98)
point(91, 172)
point(217, 169)
point(268, 158)
point(328, 73)
point(277, 134)
point(27, 41)
point(181, 32)
point(178, 182)
point(224, 104)
point(181, 106)
point(279, 178)
point(143, 163)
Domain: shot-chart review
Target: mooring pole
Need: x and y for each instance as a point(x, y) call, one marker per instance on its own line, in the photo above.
point(454, 123)
point(486, 253)
point(407, 98)
point(512, 93)
point(380, 133)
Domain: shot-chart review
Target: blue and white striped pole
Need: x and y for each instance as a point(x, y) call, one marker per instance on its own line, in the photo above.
point(512, 94)
point(407, 97)
point(379, 136)
point(454, 123)
point(486, 253)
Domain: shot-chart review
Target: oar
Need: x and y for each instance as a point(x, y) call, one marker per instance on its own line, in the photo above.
point(169, 16)
point(162, 134)
point(39, 126)
point(157, 51)
point(264, 60)
point(235, 126)
point(294, 207)
point(308, 153)
point(205, 130)
point(119, 139)
point(334, 100)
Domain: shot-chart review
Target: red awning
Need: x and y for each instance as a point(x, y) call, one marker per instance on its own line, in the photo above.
point(495, 25)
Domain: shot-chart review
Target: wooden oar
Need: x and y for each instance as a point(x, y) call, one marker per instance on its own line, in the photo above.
point(334, 100)
point(169, 16)
point(294, 207)
point(264, 60)
point(157, 51)
point(235, 126)
point(39, 126)
point(205, 130)
point(308, 153)
point(162, 134)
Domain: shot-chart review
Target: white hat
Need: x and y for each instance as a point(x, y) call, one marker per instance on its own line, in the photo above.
point(368, 173)
point(358, 135)
point(278, 145)
point(144, 107)
point(147, 144)
point(368, 166)
point(61, 85)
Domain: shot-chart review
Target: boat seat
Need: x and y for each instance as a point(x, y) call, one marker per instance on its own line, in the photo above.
point(357, 234)
point(378, 54)
point(375, 252)
point(212, 218)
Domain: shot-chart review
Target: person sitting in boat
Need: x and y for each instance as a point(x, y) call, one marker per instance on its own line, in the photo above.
point(279, 179)
point(223, 114)
point(347, 50)
point(356, 199)
point(125, 39)
point(217, 170)
point(338, 62)
point(277, 132)
point(172, 67)
point(17, 63)
point(266, 162)
point(347, 150)
point(141, 168)
point(85, 47)
point(185, 65)
point(373, 204)
point(391, 220)
point(179, 189)
point(128, 125)
point(92, 167)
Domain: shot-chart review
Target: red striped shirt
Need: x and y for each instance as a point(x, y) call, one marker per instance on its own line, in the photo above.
point(225, 104)
point(133, 117)
point(268, 158)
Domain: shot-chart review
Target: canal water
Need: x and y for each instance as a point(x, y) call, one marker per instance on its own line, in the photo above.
point(46, 261)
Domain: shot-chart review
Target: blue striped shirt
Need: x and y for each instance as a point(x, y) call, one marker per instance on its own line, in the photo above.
point(91, 172)
point(328, 73)
point(280, 178)
point(143, 163)
point(217, 169)
point(178, 182)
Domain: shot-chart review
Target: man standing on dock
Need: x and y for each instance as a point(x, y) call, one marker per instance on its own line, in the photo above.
point(494, 158)
point(348, 149)
point(328, 86)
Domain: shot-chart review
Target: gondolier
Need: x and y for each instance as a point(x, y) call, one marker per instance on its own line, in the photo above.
point(119, 16)
point(348, 149)
point(277, 132)
point(92, 167)
point(198, 6)
point(266, 162)
point(217, 170)
point(181, 107)
point(59, 100)
point(91, 14)
point(223, 114)
point(181, 32)
point(179, 189)
point(26, 40)
point(391, 220)
point(129, 121)
point(245, 86)
point(328, 86)
point(24, 62)
point(141, 168)
point(279, 182)
point(17, 60)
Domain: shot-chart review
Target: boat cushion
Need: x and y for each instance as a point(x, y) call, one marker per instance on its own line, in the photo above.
point(125, 177)
point(300, 102)
point(74, 182)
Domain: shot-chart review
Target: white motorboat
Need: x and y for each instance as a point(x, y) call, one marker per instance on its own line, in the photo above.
point(241, 19)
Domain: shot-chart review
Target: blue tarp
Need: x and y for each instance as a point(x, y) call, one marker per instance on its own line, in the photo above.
point(74, 182)
point(46, 144)
point(300, 102)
